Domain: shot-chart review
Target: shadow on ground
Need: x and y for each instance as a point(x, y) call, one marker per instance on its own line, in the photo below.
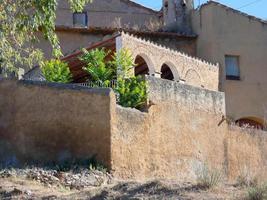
point(151, 190)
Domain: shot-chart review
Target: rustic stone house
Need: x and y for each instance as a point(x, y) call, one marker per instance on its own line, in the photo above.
point(237, 43)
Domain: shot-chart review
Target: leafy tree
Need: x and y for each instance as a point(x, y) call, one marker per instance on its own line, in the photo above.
point(56, 71)
point(19, 22)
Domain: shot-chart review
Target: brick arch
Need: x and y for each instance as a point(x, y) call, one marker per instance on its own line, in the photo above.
point(173, 69)
point(192, 77)
point(142, 57)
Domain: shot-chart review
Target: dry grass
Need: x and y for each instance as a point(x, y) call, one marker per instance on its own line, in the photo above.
point(247, 178)
point(258, 192)
point(208, 178)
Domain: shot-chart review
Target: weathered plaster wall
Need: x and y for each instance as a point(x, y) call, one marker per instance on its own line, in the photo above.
point(223, 31)
point(246, 153)
point(110, 12)
point(53, 122)
point(181, 132)
point(194, 71)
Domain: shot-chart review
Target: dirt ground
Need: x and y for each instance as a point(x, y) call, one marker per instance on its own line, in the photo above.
point(22, 188)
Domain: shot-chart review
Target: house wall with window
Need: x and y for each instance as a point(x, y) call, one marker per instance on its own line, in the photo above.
point(239, 43)
point(107, 13)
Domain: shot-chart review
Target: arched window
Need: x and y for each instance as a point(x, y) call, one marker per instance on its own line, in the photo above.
point(166, 73)
point(251, 122)
point(141, 67)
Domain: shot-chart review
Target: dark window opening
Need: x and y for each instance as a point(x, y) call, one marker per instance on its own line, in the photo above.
point(80, 19)
point(141, 67)
point(166, 73)
point(232, 67)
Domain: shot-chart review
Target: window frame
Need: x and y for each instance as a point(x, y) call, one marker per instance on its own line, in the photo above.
point(233, 77)
point(86, 19)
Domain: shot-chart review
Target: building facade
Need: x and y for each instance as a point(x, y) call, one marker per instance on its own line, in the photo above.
point(213, 32)
point(239, 43)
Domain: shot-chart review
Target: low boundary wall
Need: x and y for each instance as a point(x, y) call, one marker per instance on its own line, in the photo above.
point(183, 130)
point(46, 122)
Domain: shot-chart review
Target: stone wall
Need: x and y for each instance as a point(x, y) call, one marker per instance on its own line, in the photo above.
point(180, 132)
point(183, 131)
point(246, 152)
point(194, 71)
point(46, 123)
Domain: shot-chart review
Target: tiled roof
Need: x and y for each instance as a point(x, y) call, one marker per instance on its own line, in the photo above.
point(106, 30)
point(251, 17)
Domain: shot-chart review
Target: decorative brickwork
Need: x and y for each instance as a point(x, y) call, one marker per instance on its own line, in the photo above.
point(192, 70)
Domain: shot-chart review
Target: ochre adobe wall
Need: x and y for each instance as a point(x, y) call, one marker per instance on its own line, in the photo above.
point(246, 152)
point(182, 132)
point(53, 122)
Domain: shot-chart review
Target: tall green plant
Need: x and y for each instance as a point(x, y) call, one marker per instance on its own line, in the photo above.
point(56, 71)
point(96, 66)
point(124, 63)
point(132, 90)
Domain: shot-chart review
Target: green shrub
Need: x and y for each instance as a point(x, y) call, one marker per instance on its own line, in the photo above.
point(99, 71)
point(56, 71)
point(208, 178)
point(124, 63)
point(132, 92)
point(258, 192)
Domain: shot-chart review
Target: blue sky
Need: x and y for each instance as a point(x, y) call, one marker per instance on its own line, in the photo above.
point(257, 8)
